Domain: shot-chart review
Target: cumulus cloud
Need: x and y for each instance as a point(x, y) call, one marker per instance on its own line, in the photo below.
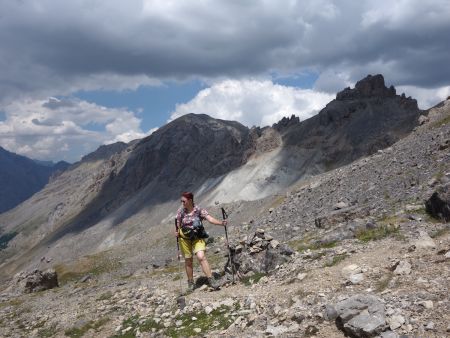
point(65, 46)
point(254, 102)
point(426, 98)
point(64, 128)
point(56, 48)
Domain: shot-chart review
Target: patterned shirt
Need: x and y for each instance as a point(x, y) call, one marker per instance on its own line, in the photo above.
point(188, 218)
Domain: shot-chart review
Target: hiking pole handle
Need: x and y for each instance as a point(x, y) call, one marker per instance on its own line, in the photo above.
point(224, 214)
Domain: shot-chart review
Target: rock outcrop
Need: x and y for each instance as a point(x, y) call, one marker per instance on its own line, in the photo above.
point(37, 280)
point(438, 205)
point(361, 316)
point(259, 254)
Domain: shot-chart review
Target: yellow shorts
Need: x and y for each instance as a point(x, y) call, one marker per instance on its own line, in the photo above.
point(189, 247)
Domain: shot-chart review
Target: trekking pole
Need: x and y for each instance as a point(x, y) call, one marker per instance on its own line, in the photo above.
point(225, 216)
point(180, 300)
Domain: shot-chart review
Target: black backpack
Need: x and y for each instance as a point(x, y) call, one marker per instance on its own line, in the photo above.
point(196, 230)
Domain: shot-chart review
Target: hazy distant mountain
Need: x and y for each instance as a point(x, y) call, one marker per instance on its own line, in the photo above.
point(21, 177)
point(122, 189)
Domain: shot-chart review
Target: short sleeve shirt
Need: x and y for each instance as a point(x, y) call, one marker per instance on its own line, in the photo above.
point(188, 218)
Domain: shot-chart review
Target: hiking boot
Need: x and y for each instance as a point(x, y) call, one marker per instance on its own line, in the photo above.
point(190, 287)
point(213, 283)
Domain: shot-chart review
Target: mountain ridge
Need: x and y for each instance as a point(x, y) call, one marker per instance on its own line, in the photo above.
point(21, 177)
point(100, 203)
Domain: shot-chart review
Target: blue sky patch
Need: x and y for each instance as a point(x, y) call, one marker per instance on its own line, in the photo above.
point(155, 103)
point(2, 116)
point(303, 80)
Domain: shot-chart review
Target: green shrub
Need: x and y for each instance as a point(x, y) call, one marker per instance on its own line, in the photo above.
point(366, 235)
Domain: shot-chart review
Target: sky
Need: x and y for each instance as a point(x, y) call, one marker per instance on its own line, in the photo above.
point(78, 74)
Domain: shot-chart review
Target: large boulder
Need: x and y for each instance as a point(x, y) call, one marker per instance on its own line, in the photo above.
point(361, 316)
point(438, 205)
point(37, 280)
point(260, 254)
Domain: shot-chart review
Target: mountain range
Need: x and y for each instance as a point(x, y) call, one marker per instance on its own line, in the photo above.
point(121, 189)
point(329, 221)
point(21, 177)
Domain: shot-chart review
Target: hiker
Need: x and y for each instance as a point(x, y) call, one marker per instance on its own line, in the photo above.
point(191, 235)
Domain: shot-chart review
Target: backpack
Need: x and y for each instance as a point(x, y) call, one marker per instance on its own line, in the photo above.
point(196, 230)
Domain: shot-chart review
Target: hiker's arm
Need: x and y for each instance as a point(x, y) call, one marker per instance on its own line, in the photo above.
point(177, 225)
point(215, 221)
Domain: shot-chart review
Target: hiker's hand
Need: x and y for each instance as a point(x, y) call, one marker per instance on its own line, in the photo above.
point(175, 232)
point(224, 222)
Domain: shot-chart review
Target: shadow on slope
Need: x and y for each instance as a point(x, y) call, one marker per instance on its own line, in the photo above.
point(177, 157)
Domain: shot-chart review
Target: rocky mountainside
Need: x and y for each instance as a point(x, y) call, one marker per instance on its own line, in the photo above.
point(350, 252)
point(357, 123)
point(122, 189)
point(21, 177)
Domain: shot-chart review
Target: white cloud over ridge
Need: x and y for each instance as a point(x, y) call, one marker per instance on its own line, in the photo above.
point(254, 102)
point(56, 48)
point(64, 128)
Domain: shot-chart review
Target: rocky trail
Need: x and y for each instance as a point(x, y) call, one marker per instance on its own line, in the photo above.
point(352, 252)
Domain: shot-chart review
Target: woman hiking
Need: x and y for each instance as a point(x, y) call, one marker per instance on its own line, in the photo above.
point(191, 236)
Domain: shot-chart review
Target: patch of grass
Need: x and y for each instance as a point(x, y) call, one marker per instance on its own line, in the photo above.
point(76, 332)
point(441, 122)
point(29, 226)
point(308, 244)
point(105, 296)
point(249, 280)
point(171, 269)
point(440, 232)
point(383, 282)
point(12, 302)
point(277, 202)
point(95, 264)
point(218, 319)
point(335, 260)
point(133, 322)
point(48, 332)
point(367, 235)
point(6, 238)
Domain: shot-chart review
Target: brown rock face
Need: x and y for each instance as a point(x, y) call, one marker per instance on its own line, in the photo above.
point(38, 280)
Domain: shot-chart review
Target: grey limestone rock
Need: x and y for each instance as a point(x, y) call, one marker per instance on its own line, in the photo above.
point(361, 316)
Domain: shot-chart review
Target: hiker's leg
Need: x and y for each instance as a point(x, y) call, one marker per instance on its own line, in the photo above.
point(189, 268)
point(204, 263)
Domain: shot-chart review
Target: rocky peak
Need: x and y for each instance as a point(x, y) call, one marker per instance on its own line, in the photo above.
point(370, 86)
point(286, 122)
point(104, 152)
